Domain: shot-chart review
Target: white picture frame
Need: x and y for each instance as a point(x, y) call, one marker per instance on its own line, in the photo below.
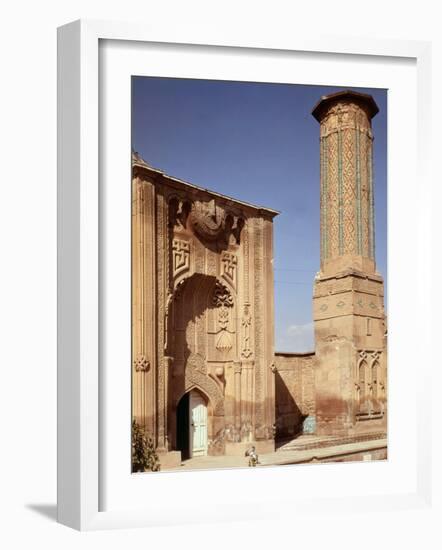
point(80, 438)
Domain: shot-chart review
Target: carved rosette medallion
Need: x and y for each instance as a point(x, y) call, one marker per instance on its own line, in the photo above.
point(141, 363)
point(207, 220)
point(211, 222)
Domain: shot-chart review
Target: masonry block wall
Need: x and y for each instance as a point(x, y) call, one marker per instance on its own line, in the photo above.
point(294, 394)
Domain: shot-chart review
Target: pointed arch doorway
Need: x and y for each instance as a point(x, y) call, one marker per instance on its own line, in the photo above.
point(192, 422)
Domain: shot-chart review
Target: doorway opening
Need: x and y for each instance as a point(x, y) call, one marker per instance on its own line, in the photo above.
point(192, 425)
point(182, 427)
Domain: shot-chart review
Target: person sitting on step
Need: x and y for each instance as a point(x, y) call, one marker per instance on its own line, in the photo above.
point(253, 456)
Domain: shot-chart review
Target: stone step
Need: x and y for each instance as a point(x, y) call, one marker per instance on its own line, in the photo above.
point(326, 453)
point(306, 442)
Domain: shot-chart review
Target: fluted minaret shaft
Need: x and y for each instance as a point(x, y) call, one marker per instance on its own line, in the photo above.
point(347, 216)
point(348, 297)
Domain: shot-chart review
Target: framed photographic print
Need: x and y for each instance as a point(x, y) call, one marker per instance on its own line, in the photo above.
point(225, 216)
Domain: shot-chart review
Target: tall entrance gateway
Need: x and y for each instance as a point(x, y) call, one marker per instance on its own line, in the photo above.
point(203, 328)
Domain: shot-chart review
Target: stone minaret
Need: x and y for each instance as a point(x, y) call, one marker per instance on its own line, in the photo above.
point(348, 300)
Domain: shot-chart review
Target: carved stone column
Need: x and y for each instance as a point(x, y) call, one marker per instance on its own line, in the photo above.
point(259, 291)
point(142, 296)
point(167, 375)
point(237, 367)
point(162, 264)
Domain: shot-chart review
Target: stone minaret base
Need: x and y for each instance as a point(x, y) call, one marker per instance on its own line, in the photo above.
point(350, 375)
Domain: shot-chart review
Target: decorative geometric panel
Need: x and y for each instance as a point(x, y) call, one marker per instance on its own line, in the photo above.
point(358, 192)
point(181, 256)
point(332, 196)
point(229, 268)
point(347, 209)
point(348, 192)
point(365, 212)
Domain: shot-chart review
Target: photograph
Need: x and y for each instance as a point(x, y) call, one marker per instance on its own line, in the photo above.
point(222, 263)
point(259, 271)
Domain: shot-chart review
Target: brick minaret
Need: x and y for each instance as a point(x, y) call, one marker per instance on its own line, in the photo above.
point(348, 293)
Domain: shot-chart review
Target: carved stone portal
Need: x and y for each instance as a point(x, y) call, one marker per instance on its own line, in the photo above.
point(191, 293)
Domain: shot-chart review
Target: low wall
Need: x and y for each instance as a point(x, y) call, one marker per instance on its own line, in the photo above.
point(294, 394)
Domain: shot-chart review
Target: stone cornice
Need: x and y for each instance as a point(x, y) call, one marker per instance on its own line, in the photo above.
point(366, 101)
point(141, 169)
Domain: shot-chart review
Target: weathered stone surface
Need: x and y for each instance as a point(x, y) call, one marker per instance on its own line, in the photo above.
point(202, 292)
point(294, 393)
point(348, 299)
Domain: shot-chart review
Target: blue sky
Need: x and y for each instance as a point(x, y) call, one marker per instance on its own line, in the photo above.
point(258, 143)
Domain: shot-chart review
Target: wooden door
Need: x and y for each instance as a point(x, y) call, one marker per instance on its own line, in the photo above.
point(198, 424)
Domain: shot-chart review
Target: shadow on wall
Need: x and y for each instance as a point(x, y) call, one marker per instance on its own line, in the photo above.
point(187, 320)
point(288, 416)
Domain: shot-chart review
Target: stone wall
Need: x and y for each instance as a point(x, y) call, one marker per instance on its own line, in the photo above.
point(294, 394)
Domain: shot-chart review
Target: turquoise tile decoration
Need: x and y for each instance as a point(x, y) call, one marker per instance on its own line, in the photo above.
point(358, 191)
point(371, 198)
point(309, 425)
point(325, 198)
point(340, 205)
